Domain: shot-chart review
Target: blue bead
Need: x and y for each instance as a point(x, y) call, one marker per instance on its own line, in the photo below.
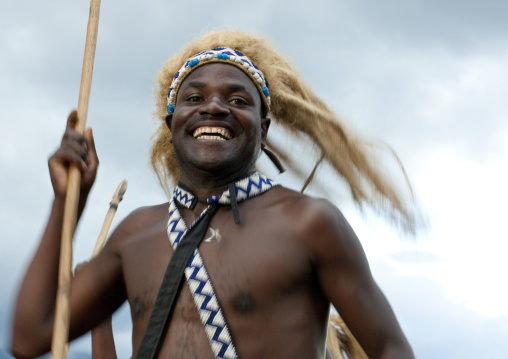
point(193, 62)
point(266, 92)
point(171, 109)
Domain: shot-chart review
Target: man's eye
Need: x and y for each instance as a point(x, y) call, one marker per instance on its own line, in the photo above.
point(238, 102)
point(193, 98)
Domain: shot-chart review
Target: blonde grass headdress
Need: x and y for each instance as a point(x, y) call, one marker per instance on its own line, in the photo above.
point(293, 105)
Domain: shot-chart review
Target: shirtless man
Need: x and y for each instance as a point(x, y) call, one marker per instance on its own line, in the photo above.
point(276, 259)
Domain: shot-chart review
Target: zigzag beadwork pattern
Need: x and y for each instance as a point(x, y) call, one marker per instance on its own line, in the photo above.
point(202, 291)
point(248, 187)
point(209, 309)
point(176, 225)
point(184, 197)
point(197, 277)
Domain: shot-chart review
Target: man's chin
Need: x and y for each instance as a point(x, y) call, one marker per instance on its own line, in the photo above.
point(218, 156)
point(220, 164)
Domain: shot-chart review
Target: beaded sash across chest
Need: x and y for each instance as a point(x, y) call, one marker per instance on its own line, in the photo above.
point(197, 277)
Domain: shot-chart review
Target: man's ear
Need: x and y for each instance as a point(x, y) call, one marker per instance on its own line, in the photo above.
point(265, 125)
point(169, 119)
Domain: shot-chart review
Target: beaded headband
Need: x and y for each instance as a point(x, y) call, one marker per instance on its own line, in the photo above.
point(225, 55)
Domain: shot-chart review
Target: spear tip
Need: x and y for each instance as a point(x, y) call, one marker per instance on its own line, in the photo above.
point(120, 191)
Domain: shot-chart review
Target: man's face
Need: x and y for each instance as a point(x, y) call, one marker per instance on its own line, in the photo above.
point(217, 123)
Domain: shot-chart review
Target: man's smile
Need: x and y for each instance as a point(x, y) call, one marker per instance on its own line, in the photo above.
point(212, 133)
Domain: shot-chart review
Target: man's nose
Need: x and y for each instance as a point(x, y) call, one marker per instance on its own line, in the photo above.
point(214, 106)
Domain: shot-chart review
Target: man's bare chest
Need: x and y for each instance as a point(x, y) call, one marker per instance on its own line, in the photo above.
point(249, 264)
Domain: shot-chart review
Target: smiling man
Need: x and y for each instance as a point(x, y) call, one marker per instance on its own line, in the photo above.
point(205, 137)
point(266, 262)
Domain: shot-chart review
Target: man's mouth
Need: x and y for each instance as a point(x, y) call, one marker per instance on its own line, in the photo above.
point(212, 133)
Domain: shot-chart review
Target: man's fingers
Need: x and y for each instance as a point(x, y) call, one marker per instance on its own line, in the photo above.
point(77, 150)
point(72, 119)
point(72, 134)
point(73, 142)
point(67, 156)
point(90, 141)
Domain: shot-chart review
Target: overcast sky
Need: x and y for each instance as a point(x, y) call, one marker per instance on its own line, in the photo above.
point(428, 77)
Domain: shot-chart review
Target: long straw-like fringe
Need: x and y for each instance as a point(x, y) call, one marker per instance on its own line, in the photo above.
point(302, 113)
point(340, 340)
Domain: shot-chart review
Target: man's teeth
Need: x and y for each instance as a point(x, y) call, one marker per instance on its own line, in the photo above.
point(206, 137)
point(212, 133)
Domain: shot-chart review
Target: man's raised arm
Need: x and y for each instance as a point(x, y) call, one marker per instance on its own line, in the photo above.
point(35, 306)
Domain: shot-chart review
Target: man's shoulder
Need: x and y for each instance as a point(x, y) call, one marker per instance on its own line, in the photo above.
point(140, 219)
point(317, 223)
point(150, 210)
point(291, 197)
point(305, 210)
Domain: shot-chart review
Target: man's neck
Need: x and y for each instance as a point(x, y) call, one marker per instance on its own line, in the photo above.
point(205, 184)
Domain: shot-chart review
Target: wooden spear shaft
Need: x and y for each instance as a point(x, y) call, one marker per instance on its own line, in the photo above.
point(103, 235)
point(113, 206)
point(62, 313)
